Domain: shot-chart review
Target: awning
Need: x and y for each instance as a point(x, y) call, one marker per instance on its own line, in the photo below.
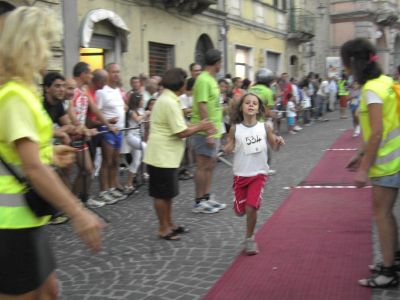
point(97, 15)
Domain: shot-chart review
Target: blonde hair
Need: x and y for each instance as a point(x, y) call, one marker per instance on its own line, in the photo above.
point(26, 36)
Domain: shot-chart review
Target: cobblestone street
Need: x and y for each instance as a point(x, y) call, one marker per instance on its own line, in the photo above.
point(135, 264)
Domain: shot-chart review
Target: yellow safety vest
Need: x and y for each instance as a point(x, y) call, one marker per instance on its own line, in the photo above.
point(342, 91)
point(387, 160)
point(14, 212)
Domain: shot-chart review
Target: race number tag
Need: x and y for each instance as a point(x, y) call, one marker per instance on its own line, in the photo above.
point(253, 144)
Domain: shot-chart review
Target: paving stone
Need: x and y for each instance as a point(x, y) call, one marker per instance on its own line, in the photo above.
point(135, 264)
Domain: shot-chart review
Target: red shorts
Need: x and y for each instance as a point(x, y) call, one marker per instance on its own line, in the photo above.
point(248, 191)
point(343, 101)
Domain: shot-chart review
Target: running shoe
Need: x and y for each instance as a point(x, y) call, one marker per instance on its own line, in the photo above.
point(106, 198)
point(113, 192)
point(214, 203)
point(251, 247)
point(95, 203)
point(204, 207)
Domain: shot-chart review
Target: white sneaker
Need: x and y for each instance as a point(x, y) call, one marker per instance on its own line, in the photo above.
point(356, 131)
point(214, 203)
point(205, 208)
point(297, 128)
point(94, 203)
point(105, 197)
point(113, 192)
point(271, 172)
point(251, 247)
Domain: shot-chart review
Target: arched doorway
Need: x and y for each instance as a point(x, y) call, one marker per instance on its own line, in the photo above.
point(203, 44)
point(103, 38)
point(294, 66)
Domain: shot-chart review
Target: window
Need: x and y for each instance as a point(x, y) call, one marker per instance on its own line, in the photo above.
point(161, 58)
point(259, 12)
point(93, 56)
point(234, 7)
point(273, 61)
point(280, 21)
point(242, 62)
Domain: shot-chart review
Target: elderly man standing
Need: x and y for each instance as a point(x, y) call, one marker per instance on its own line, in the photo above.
point(206, 105)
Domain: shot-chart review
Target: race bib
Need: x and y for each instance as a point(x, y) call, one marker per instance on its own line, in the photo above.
point(253, 144)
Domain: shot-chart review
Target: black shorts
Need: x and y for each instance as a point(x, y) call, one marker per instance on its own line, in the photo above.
point(163, 182)
point(26, 260)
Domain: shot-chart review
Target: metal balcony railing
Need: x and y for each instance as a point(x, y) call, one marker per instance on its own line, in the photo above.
point(301, 25)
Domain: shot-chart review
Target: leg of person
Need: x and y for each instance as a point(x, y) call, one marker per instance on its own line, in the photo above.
point(384, 199)
point(253, 201)
point(383, 203)
point(106, 163)
point(161, 208)
point(49, 290)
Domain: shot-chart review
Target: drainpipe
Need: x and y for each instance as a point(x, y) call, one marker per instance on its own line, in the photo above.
point(225, 39)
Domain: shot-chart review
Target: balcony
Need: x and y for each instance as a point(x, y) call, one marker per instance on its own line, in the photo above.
point(301, 27)
point(191, 7)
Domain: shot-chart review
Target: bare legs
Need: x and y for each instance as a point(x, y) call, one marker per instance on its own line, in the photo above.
point(204, 170)
point(383, 202)
point(48, 291)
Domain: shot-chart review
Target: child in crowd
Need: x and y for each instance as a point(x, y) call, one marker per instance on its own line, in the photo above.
point(250, 138)
point(134, 138)
point(306, 105)
point(354, 101)
point(291, 114)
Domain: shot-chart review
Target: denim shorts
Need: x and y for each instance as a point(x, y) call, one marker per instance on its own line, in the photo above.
point(114, 139)
point(391, 181)
point(201, 148)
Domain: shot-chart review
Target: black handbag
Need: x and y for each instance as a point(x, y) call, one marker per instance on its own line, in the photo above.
point(36, 203)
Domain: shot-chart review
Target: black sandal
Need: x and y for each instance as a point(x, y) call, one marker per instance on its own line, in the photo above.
point(180, 230)
point(172, 236)
point(388, 272)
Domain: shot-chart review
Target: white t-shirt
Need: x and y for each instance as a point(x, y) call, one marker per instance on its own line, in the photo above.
point(186, 101)
point(251, 155)
point(323, 88)
point(306, 103)
point(289, 107)
point(371, 97)
point(111, 104)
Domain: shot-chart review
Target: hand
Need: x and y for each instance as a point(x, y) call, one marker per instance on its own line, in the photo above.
point(66, 140)
point(113, 129)
point(210, 141)
point(88, 227)
point(228, 148)
point(354, 163)
point(361, 178)
point(208, 127)
point(113, 120)
point(64, 156)
point(279, 140)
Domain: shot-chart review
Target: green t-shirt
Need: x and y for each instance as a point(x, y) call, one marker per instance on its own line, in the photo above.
point(164, 148)
point(264, 93)
point(206, 90)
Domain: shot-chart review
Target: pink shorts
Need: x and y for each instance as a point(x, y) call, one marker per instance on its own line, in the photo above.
point(248, 191)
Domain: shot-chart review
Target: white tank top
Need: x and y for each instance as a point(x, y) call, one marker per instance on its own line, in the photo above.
point(251, 155)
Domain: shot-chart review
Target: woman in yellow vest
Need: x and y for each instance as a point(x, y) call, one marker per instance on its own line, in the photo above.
point(26, 260)
point(379, 158)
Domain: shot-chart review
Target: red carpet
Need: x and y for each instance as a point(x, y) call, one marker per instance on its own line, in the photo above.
point(331, 169)
point(314, 247)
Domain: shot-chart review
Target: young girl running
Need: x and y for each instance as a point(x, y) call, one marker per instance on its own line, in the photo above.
point(249, 139)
